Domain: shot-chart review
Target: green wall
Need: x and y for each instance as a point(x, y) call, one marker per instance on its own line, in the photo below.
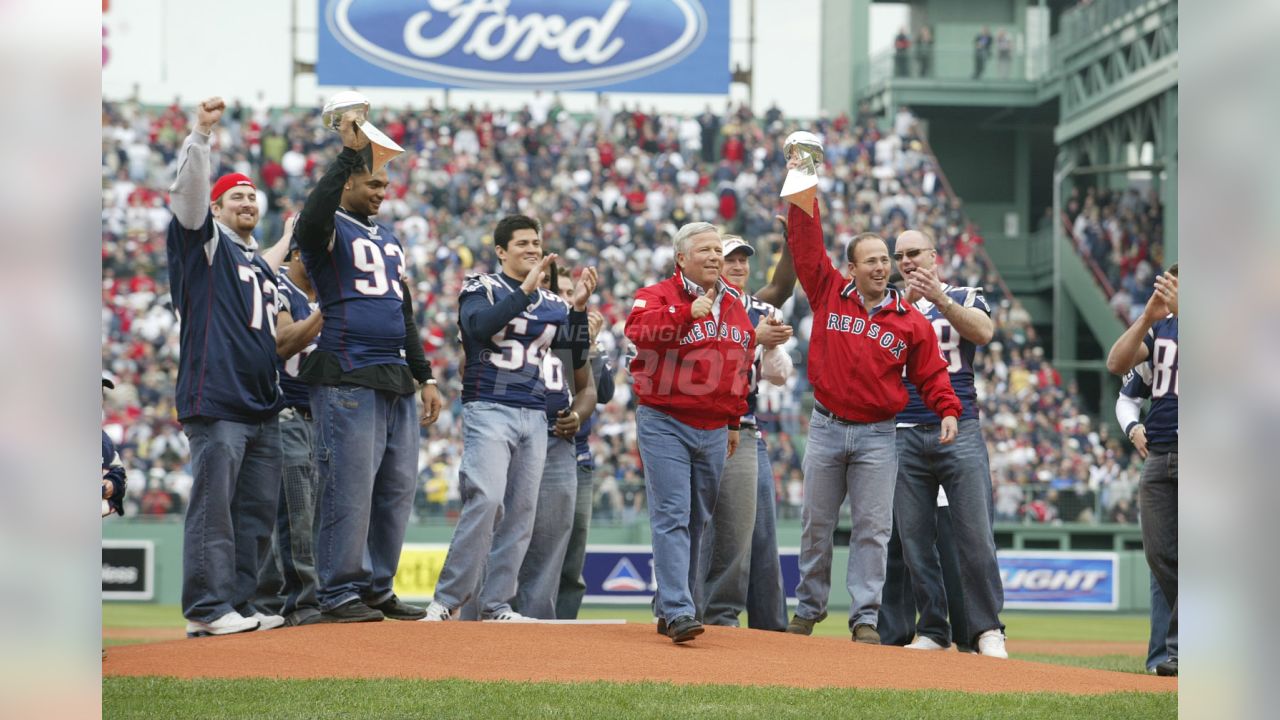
point(1134, 595)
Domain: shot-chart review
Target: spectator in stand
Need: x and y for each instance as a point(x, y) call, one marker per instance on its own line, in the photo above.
point(1004, 53)
point(981, 51)
point(902, 54)
point(924, 51)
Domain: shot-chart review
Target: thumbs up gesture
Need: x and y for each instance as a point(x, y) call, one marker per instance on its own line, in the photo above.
point(702, 306)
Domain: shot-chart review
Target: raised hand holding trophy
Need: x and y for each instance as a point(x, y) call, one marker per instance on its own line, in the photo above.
point(381, 148)
point(803, 151)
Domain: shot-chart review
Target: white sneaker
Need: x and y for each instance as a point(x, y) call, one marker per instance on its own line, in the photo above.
point(437, 613)
point(232, 622)
point(991, 644)
point(924, 642)
point(509, 616)
point(268, 622)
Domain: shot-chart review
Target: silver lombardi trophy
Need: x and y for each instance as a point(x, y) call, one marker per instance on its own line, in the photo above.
point(381, 147)
point(801, 184)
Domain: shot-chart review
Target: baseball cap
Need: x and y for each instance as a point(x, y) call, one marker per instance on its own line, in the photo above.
point(737, 243)
point(228, 181)
point(108, 380)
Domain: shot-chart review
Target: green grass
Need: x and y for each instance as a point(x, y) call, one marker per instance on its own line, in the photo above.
point(168, 699)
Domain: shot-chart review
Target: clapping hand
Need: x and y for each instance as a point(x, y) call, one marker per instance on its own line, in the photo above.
point(583, 289)
point(772, 333)
point(534, 279)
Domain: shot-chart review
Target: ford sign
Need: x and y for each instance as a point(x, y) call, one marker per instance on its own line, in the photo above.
point(527, 44)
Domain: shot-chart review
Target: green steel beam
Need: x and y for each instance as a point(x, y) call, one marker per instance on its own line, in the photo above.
point(1138, 88)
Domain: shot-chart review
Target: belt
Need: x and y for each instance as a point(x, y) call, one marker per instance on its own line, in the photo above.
point(844, 421)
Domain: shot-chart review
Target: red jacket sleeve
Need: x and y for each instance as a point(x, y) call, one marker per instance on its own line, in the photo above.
point(655, 323)
point(809, 251)
point(928, 371)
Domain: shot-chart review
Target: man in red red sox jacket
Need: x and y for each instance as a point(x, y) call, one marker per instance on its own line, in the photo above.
point(694, 346)
point(864, 335)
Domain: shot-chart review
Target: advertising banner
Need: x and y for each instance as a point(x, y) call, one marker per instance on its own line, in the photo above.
point(128, 570)
point(668, 46)
point(1048, 580)
point(623, 574)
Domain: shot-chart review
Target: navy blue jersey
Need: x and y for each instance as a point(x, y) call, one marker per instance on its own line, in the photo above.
point(602, 373)
point(757, 311)
point(225, 297)
point(294, 301)
point(559, 394)
point(357, 280)
point(506, 367)
point(958, 353)
point(1162, 418)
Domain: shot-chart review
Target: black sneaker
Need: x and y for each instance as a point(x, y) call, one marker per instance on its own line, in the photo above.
point(393, 608)
point(1168, 668)
point(662, 626)
point(351, 612)
point(684, 629)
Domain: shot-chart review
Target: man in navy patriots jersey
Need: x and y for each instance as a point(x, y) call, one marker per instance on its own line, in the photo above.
point(1154, 337)
point(508, 324)
point(740, 556)
point(572, 585)
point(961, 318)
point(1136, 389)
point(227, 395)
point(567, 412)
point(362, 377)
point(287, 581)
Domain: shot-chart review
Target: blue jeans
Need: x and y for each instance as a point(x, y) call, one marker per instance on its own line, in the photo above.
point(366, 447)
point(721, 590)
point(539, 578)
point(766, 598)
point(962, 470)
point(1158, 504)
point(898, 624)
point(503, 452)
point(682, 469)
point(287, 580)
point(858, 461)
point(572, 585)
point(235, 470)
point(1158, 645)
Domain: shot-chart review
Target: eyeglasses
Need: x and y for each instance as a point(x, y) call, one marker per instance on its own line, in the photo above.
point(910, 254)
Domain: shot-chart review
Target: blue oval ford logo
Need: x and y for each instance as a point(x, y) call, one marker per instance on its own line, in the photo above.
point(549, 44)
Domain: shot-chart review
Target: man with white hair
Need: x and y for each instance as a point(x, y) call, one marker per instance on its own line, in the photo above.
point(694, 344)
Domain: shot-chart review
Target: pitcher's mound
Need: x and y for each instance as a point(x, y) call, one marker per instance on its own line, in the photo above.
point(619, 653)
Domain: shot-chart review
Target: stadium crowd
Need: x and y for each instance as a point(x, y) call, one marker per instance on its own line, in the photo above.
point(1122, 233)
point(610, 187)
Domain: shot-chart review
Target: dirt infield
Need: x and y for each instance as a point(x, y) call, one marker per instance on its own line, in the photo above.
point(621, 653)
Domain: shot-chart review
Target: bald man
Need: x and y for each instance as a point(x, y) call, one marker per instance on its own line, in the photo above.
point(962, 320)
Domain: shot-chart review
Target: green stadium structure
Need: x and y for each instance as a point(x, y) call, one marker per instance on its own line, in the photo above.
point(1084, 95)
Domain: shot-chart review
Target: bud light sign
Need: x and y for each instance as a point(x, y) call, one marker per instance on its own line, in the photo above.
point(673, 46)
point(1060, 580)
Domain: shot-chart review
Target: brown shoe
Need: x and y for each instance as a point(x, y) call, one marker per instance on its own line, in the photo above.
point(864, 633)
point(801, 626)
